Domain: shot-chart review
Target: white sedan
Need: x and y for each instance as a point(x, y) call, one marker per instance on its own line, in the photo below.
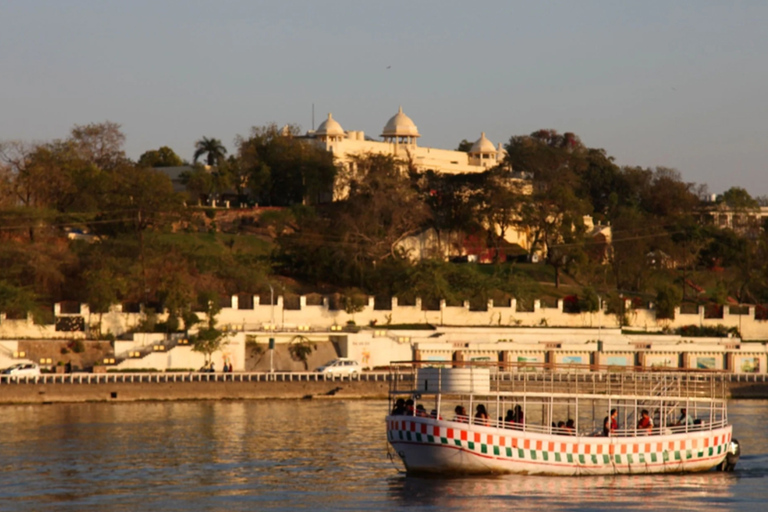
point(340, 366)
point(23, 370)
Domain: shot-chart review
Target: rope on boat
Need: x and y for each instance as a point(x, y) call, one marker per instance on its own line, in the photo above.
point(391, 457)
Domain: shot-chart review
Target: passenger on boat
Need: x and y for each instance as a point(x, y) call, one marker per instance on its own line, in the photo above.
point(560, 428)
point(519, 416)
point(645, 422)
point(481, 416)
point(399, 408)
point(570, 427)
point(509, 419)
point(434, 415)
point(461, 414)
point(421, 411)
point(409, 407)
point(684, 418)
point(610, 423)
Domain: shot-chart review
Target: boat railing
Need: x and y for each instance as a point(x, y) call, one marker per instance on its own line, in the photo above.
point(552, 378)
point(536, 428)
point(548, 398)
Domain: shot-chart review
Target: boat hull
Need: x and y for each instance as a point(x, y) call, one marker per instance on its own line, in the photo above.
point(427, 445)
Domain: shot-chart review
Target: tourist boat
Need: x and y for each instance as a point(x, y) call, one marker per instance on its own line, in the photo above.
point(430, 437)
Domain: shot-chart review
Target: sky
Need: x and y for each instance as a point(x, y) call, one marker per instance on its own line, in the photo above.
point(680, 84)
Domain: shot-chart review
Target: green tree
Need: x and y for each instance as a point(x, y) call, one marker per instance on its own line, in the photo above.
point(104, 288)
point(589, 301)
point(209, 339)
point(380, 211)
point(554, 213)
point(281, 169)
point(212, 148)
point(18, 301)
point(739, 198)
point(300, 349)
point(668, 297)
point(464, 146)
point(502, 203)
point(161, 157)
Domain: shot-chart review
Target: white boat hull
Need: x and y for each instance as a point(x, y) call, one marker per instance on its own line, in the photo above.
point(427, 445)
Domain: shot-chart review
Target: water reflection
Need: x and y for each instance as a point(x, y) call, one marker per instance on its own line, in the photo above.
point(646, 492)
point(285, 455)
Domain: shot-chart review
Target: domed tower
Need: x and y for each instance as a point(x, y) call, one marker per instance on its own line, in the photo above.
point(330, 130)
point(483, 152)
point(400, 129)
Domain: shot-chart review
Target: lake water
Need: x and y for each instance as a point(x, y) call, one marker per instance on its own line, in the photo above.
point(311, 455)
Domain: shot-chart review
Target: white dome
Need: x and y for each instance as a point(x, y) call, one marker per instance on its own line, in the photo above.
point(482, 145)
point(400, 125)
point(330, 127)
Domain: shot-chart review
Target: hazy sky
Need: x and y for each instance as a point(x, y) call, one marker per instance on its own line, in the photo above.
point(680, 84)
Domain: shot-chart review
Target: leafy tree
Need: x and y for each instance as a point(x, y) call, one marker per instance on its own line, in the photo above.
point(354, 301)
point(634, 236)
point(204, 183)
point(100, 144)
point(104, 288)
point(162, 157)
point(454, 201)
point(589, 301)
point(502, 202)
point(212, 148)
point(281, 169)
point(300, 349)
point(599, 181)
point(464, 146)
point(738, 198)
point(209, 339)
point(380, 211)
point(668, 297)
point(554, 213)
point(18, 301)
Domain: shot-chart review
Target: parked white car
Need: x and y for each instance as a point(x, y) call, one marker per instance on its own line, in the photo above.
point(23, 370)
point(340, 366)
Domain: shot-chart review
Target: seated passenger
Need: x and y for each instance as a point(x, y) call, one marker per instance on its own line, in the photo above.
point(519, 416)
point(433, 414)
point(399, 408)
point(481, 415)
point(645, 422)
point(610, 423)
point(461, 414)
point(421, 411)
point(560, 429)
point(570, 427)
point(685, 419)
point(409, 411)
point(509, 419)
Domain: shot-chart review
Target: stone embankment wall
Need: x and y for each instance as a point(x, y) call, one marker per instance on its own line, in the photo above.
point(28, 393)
point(147, 388)
point(244, 315)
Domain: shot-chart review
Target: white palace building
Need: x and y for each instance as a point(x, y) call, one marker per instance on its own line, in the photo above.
point(400, 136)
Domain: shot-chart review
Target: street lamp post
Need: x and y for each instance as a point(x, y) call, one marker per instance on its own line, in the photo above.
point(272, 326)
point(271, 304)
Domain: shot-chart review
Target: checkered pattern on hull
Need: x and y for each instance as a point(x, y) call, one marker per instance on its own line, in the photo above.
point(582, 452)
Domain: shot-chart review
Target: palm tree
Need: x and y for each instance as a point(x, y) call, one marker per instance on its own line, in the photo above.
point(212, 147)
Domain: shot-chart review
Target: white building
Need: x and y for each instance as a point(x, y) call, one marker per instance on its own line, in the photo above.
point(400, 136)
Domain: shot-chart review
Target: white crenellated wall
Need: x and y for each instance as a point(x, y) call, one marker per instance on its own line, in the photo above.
point(321, 317)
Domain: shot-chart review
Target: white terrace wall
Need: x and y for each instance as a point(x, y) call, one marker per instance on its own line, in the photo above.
point(321, 317)
point(180, 356)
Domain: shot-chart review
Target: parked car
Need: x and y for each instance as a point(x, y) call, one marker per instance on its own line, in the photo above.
point(340, 366)
point(23, 370)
